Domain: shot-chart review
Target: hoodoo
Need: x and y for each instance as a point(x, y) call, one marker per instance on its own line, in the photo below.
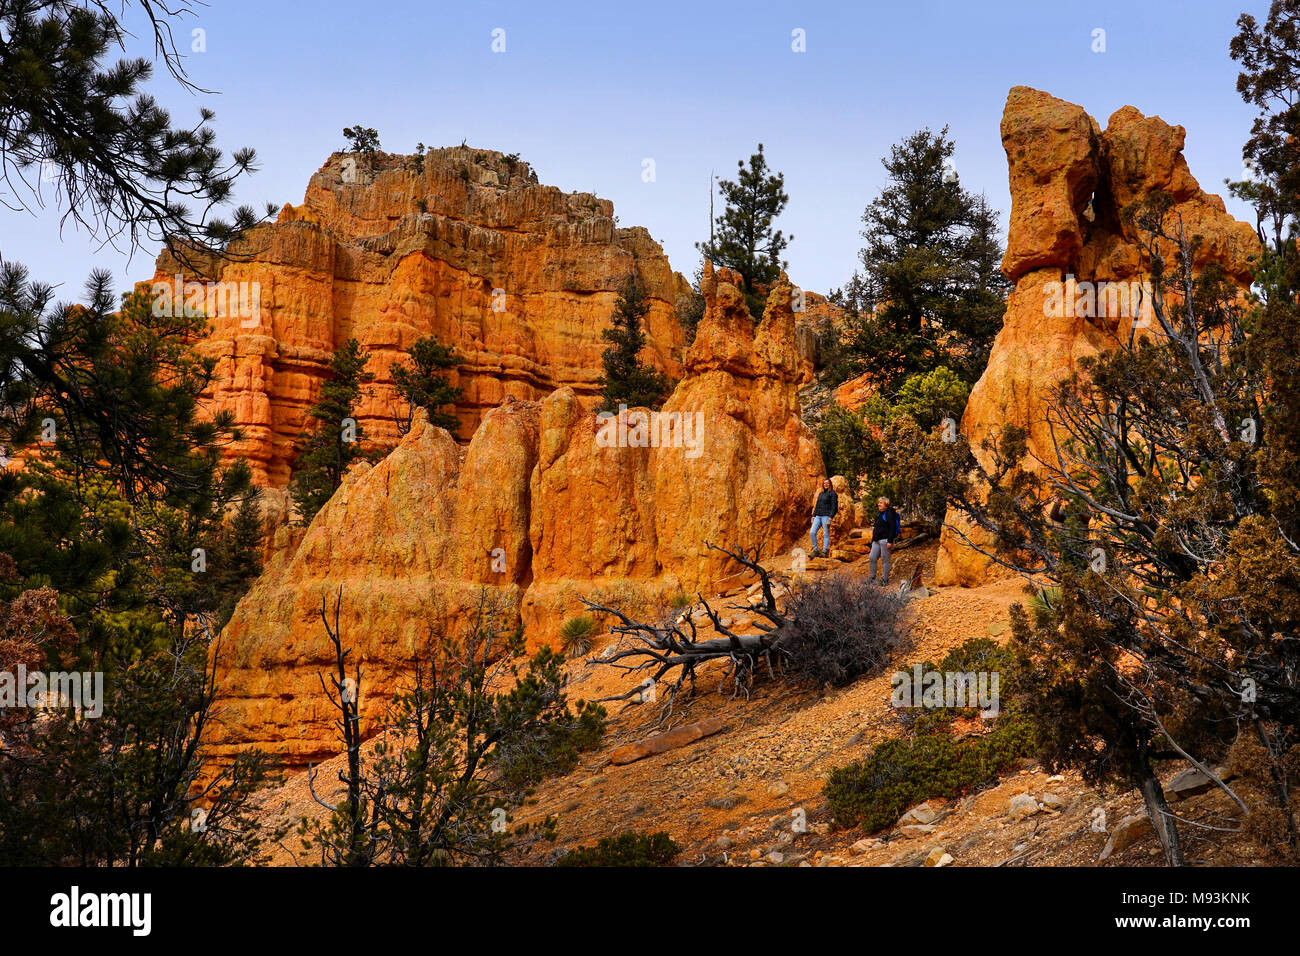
point(1070, 182)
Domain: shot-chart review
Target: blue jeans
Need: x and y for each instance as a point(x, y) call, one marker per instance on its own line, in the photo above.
point(821, 521)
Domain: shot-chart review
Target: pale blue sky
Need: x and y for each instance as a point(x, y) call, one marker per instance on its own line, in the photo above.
point(586, 91)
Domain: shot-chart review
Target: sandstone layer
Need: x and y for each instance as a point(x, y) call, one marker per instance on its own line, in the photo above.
point(1070, 183)
point(464, 244)
point(548, 502)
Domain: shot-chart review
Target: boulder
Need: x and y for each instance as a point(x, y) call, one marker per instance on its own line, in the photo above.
point(1022, 805)
point(1188, 783)
point(938, 857)
point(921, 813)
point(1129, 830)
point(662, 743)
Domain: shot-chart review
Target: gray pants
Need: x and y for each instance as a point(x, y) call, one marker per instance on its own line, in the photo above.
point(879, 549)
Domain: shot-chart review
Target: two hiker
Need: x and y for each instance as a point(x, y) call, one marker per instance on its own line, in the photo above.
point(884, 532)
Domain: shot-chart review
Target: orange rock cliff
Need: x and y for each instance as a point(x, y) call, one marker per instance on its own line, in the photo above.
point(519, 277)
point(547, 502)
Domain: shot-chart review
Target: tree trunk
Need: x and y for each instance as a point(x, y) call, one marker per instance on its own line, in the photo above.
point(1153, 795)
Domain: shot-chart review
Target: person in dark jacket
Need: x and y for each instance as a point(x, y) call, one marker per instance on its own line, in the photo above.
point(883, 535)
point(827, 507)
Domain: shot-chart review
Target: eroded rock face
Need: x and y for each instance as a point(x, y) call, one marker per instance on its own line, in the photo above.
point(548, 502)
point(405, 547)
point(519, 277)
point(759, 466)
point(1070, 181)
point(856, 392)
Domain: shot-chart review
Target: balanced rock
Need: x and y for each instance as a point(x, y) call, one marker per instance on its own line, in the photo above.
point(1070, 180)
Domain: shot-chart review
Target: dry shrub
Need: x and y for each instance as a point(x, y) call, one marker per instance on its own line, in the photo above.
point(842, 628)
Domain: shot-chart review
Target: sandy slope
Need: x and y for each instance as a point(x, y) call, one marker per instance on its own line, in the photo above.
point(751, 794)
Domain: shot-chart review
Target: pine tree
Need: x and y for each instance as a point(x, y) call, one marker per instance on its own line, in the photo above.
point(745, 239)
point(982, 298)
point(422, 385)
point(930, 270)
point(327, 449)
point(119, 521)
point(1272, 154)
point(690, 306)
point(105, 536)
point(237, 560)
point(122, 170)
point(627, 381)
point(361, 139)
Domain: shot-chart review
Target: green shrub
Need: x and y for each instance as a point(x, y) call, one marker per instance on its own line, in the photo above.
point(576, 635)
point(929, 397)
point(900, 773)
point(849, 444)
point(555, 737)
point(1044, 600)
point(680, 602)
point(975, 655)
point(626, 849)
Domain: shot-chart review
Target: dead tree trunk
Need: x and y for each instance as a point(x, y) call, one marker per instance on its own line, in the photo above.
point(1153, 795)
point(345, 694)
point(676, 645)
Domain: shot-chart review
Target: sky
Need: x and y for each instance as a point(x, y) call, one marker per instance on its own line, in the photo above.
point(586, 92)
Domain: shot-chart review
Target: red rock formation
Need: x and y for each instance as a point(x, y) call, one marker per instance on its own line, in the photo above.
point(1069, 183)
point(856, 392)
point(569, 504)
point(519, 277)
